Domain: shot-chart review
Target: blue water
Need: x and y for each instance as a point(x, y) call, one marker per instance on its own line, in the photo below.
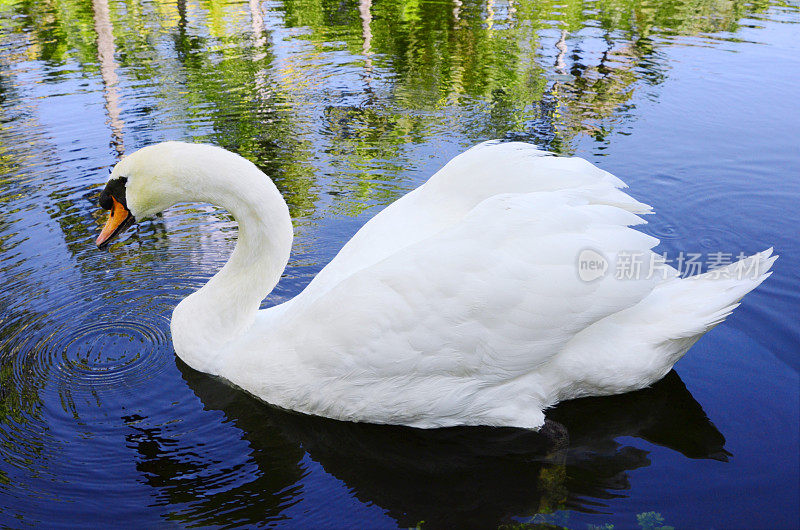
point(348, 106)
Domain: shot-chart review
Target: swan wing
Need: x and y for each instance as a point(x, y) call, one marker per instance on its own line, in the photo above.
point(486, 170)
point(487, 299)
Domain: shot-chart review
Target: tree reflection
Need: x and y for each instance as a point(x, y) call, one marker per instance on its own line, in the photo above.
point(457, 477)
point(423, 71)
point(108, 69)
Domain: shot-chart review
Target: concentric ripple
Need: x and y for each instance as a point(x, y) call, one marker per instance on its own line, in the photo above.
point(661, 229)
point(104, 354)
point(86, 343)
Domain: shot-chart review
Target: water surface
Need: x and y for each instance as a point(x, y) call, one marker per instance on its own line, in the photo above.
point(347, 106)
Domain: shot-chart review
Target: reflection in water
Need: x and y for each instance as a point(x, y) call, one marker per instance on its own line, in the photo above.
point(108, 67)
point(212, 492)
point(459, 477)
point(364, 7)
point(657, 414)
point(347, 105)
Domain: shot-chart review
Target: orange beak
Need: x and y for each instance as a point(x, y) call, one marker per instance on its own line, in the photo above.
point(118, 221)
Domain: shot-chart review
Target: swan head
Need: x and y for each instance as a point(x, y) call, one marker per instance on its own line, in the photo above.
point(156, 177)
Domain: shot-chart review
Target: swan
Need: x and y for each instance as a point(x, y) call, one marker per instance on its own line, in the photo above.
point(483, 297)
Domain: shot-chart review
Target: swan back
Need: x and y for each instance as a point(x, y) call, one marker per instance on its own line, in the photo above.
point(486, 170)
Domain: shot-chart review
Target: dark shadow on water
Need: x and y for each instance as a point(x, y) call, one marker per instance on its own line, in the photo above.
point(456, 477)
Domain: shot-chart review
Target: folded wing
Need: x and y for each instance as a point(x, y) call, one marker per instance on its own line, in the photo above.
point(488, 298)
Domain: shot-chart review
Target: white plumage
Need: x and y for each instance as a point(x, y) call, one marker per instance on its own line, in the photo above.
point(459, 304)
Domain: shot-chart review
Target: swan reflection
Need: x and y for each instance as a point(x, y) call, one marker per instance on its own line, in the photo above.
point(456, 477)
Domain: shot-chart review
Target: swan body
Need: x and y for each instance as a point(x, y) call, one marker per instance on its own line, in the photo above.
point(459, 304)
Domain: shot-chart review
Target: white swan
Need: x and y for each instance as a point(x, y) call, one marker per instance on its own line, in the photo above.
point(459, 304)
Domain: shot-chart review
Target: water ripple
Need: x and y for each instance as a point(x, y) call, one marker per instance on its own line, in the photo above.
point(103, 355)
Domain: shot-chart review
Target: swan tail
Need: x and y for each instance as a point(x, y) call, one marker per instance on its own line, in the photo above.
point(726, 286)
point(696, 304)
point(639, 345)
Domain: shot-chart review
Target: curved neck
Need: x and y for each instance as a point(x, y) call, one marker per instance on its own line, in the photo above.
point(206, 322)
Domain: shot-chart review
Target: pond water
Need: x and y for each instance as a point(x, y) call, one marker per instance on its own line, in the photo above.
point(348, 105)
